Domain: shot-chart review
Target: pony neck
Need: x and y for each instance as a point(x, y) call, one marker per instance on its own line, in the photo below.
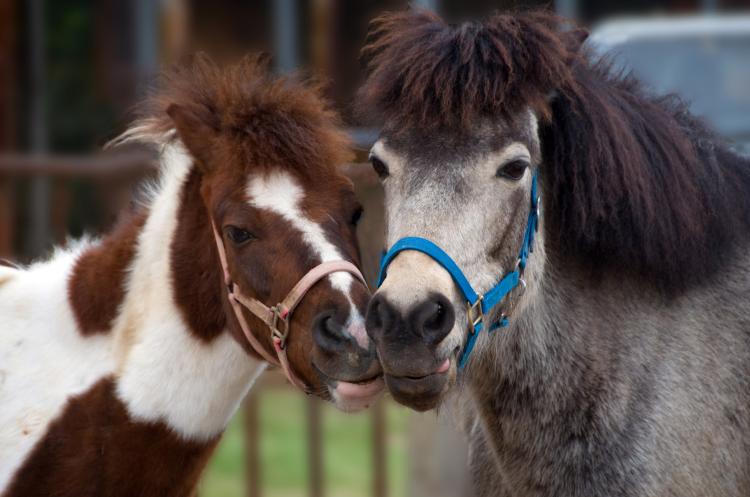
point(136, 375)
point(176, 362)
point(530, 348)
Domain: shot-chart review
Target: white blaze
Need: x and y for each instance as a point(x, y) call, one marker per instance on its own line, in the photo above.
point(279, 192)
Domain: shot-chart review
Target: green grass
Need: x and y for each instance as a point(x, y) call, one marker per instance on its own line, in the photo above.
point(283, 447)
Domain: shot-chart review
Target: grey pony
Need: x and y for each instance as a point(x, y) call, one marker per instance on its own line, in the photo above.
point(625, 370)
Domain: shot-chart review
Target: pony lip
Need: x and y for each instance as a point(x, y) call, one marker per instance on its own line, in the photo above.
point(420, 394)
point(360, 390)
point(354, 397)
point(444, 367)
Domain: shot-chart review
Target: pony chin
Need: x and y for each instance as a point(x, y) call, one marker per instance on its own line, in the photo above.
point(355, 397)
point(427, 392)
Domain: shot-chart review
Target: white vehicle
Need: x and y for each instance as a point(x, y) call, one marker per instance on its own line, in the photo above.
point(705, 59)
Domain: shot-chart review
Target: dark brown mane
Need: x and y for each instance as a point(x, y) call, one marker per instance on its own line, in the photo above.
point(630, 181)
point(427, 73)
point(271, 120)
point(636, 182)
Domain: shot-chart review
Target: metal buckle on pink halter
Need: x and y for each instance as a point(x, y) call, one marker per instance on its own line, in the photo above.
point(281, 313)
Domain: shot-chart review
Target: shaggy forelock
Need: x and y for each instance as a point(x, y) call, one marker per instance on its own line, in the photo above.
point(270, 119)
point(424, 72)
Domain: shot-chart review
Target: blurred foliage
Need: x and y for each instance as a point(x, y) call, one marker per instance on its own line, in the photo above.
point(76, 114)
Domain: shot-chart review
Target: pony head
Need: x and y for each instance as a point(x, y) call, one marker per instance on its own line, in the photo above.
point(471, 113)
point(266, 152)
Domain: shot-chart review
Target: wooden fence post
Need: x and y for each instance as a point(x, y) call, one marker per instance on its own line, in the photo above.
point(314, 447)
point(379, 450)
point(437, 457)
point(252, 443)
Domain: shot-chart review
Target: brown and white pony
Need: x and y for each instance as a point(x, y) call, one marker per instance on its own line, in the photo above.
point(121, 361)
point(623, 368)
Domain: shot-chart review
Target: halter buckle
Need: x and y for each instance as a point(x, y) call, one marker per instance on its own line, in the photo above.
point(520, 267)
point(278, 315)
point(475, 313)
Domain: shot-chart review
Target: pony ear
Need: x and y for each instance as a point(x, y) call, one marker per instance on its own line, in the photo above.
point(196, 133)
point(574, 38)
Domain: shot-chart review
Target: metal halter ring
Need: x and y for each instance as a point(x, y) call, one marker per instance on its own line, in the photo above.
point(503, 317)
point(475, 313)
point(279, 316)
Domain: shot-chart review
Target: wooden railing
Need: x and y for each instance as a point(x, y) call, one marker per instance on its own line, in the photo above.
point(114, 171)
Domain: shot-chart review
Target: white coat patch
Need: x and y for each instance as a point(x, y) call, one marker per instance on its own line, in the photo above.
point(165, 373)
point(44, 359)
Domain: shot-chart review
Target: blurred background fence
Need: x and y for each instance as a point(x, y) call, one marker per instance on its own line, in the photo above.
point(70, 73)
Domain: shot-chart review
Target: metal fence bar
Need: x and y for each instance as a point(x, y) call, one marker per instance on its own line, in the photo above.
point(59, 215)
point(285, 21)
point(433, 5)
point(567, 8)
point(39, 195)
point(7, 216)
point(146, 38)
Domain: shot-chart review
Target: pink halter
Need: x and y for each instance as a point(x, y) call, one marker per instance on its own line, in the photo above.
point(277, 318)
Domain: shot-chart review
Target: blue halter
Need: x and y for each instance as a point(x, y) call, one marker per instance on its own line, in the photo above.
point(477, 305)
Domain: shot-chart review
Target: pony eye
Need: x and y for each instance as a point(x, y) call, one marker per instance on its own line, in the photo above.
point(379, 166)
point(356, 216)
point(513, 170)
point(238, 236)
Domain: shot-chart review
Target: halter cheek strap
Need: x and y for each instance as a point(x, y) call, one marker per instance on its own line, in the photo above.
point(277, 317)
point(477, 305)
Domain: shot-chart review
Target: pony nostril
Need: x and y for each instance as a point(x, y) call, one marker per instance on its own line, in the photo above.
point(435, 322)
point(433, 319)
point(331, 327)
point(328, 334)
point(380, 316)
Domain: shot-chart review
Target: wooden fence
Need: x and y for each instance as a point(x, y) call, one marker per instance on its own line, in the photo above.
point(113, 175)
point(315, 442)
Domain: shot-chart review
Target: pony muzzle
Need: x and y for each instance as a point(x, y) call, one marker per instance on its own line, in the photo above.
point(412, 320)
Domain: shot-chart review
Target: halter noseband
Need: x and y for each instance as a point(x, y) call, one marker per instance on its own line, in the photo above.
point(278, 317)
point(477, 305)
